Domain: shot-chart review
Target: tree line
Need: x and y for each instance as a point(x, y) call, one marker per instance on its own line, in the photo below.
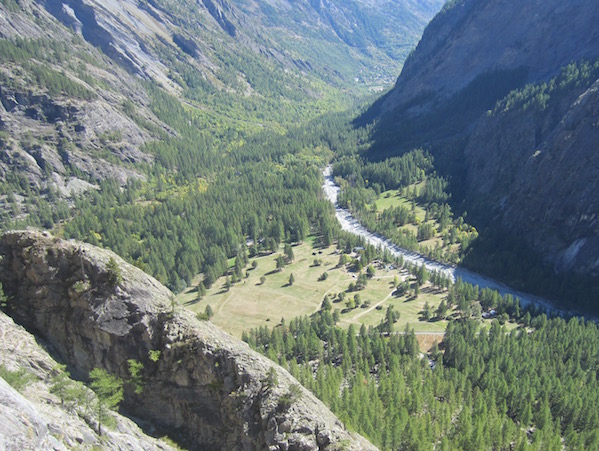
point(533, 387)
point(362, 183)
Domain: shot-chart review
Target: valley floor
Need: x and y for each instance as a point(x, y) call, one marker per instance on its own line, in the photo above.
point(350, 224)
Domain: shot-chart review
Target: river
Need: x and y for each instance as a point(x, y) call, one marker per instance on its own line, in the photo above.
point(350, 224)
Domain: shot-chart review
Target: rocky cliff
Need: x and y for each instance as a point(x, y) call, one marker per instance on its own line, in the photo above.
point(470, 38)
point(536, 168)
point(504, 94)
point(36, 418)
point(200, 385)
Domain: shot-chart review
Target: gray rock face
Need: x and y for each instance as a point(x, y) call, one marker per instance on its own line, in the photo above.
point(538, 170)
point(473, 37)
point(119, 29)
point(35, 419)
point(51, 135)
point(55, 140)
point(200, 384)
point(21, 426)
point(532, 172)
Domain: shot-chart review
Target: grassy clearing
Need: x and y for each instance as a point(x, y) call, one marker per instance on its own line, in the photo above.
point(394, 198)
point(410, 309)
point(441, 237)
point(250, 303)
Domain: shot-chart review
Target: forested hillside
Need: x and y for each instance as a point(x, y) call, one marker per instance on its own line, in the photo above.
point(130, 125)
point(508, 110)
point(531, 388)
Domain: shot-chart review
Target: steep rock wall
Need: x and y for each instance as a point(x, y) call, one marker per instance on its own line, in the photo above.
point(538, 172)
point(471, 37)
point(34, 418)
point(200, 384)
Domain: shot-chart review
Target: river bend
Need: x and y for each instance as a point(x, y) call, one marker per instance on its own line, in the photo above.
point(351, 224)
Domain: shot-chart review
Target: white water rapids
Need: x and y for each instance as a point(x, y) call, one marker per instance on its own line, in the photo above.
point(350, 224)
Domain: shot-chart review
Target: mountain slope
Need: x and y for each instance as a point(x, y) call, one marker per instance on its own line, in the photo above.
point(34, 417)
point(163, 100)
point(201, 386)
point(534, 162)
point(82, 82)
point(470, 38)
point(332, 40)
point(492, 91)
point(69, 116)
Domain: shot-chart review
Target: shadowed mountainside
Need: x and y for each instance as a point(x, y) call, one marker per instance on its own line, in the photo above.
point(504, 95)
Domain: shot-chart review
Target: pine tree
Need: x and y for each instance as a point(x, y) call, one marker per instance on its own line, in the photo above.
point(441, 311)
point(280, 262)
point(289, 253)
point(60, 382)
point(135, 370)
point(426, 313)
point(114, 272)
point(370, 271)
point(109, 390)
point(351, 303)
point(201, 291)
point(238, 267)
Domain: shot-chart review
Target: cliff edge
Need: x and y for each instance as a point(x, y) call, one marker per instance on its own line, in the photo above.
point(203, 387)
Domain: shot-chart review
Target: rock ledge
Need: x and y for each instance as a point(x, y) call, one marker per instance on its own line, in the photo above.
point(201, 385)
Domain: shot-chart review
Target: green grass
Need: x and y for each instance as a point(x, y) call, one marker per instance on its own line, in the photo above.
point(249, 303)
point(393, 198)
point(404, 198)
point(379, 292)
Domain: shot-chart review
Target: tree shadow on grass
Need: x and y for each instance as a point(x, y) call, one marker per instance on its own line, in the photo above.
point(274, 271)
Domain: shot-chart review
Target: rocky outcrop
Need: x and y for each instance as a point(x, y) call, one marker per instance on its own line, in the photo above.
point(199, 384)
point(469, 38)
point(36, 419)
point(120, 30)
point(219, 13)
point(527, 172)
point(21, 426)
point(57, 136)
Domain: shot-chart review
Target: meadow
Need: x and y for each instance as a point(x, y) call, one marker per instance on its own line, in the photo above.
point(264, 296)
